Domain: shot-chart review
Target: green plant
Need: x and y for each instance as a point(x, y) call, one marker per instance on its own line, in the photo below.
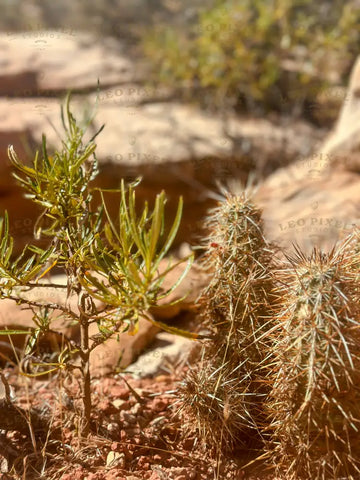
point(314, 405)
point(277, 54)
point(225, 391)
point(113, 263)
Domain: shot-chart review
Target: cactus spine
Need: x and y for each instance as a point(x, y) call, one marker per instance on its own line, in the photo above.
point(314, 405)
point(225, 390)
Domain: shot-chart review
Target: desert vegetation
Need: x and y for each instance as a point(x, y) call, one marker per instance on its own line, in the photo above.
point(227, 388)
point(277, 374)
point(115, 263)
point(271, 388)
point(258, 56)
point(280, 376)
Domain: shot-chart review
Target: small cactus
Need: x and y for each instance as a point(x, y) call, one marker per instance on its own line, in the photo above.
point(225, 390)
point(314, 406)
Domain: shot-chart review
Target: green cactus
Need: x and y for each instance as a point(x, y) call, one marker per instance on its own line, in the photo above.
point(314, 406)
point(225, 390)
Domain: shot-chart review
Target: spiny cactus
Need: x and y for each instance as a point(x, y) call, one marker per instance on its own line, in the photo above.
point(225, 391)
point(212, 398)
point(314, 405)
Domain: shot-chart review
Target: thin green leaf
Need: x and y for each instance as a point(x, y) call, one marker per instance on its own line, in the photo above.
point(155, 229)
point(180, 279)
point(172, 234)
point(15, 332)
point(173, 330)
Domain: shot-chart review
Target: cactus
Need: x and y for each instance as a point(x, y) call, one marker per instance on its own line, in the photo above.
point(225, 390)
point(314, 406)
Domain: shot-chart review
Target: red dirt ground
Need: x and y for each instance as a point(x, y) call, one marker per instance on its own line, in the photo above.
point(133, 437)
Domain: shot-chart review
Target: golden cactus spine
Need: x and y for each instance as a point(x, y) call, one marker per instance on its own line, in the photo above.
point(314, 405)
point(225, 390)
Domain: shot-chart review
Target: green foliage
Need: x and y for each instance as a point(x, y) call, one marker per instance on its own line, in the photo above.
point(114, 262)
point(274, 54)
point(23, 269)
point(85, 245)
point(128, 258)
point(60, 183)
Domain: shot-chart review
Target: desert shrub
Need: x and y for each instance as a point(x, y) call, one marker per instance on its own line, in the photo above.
point(258, 54)
point(111, 265)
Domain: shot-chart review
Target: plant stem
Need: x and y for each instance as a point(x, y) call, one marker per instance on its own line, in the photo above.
point(85, 371)
point(86, 308)
point(33, 303)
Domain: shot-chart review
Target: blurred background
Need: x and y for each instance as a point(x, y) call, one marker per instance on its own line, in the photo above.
point(193, 94)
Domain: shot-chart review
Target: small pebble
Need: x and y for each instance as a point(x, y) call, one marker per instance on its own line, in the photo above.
point(119, 392)
point(112, 427)
point(147, 414)
point(142, 421)
point(106, 407)
point(136, 408)
point(143, 463)
point(133, 431)
point(128, 417)
point(159, 405)
point(121, 404)
point(162, 378)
